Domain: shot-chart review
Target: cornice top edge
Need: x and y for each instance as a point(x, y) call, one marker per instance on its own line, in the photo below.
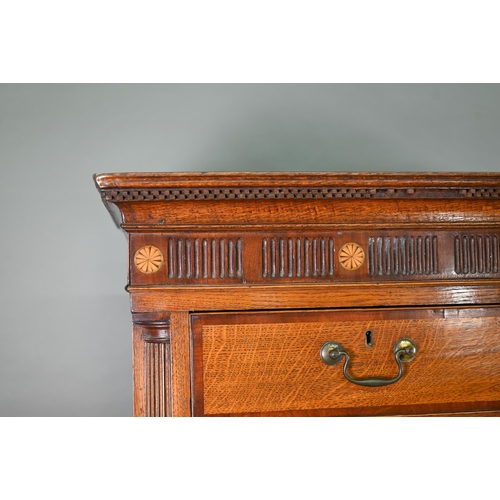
point(182, 180)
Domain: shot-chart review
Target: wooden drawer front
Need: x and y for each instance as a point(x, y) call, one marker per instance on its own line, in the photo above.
point(265, 363)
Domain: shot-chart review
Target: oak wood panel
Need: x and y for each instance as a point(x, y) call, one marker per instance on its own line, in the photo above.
point(483, 408)
point(270, 362)
point(269, 212)
point(458, 414)
point(181, 364)
point(311, 296)
point(139, 369)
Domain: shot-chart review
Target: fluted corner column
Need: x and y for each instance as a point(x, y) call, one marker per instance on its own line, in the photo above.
point(162, 367)
point(152, 368)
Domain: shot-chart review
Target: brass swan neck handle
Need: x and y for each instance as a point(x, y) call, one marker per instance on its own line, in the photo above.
point(405, 350)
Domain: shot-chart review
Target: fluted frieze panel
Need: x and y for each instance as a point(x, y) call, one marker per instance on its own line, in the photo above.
point(300, 257)
point(476, 254)
point(403, 255)
point(158, 379)
point(205, 258)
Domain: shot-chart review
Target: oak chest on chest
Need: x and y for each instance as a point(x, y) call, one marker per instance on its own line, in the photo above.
point(312, 293)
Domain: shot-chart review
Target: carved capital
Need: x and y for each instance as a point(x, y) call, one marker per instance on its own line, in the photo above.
point(154, 330)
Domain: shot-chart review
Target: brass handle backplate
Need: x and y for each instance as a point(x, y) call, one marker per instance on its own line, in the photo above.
point(405, 350)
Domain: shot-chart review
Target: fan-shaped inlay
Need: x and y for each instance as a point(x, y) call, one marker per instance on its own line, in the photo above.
point(148, 259)
point(351, 256)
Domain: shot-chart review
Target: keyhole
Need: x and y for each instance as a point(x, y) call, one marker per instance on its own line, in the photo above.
point(369, 338)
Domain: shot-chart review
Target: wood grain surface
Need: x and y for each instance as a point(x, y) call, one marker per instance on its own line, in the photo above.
point(270, 362)
point(161, 214)
point(181, 364)
point(448, 181)
point(241, 298)
point(139, 372)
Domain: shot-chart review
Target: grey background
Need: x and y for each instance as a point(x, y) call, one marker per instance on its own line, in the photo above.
point(65, 343)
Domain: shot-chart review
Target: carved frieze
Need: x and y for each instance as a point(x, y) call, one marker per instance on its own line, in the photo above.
point(205, 258)
point(476, 254)
point(403, 255)
point(314, 256)
point(300, 257)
